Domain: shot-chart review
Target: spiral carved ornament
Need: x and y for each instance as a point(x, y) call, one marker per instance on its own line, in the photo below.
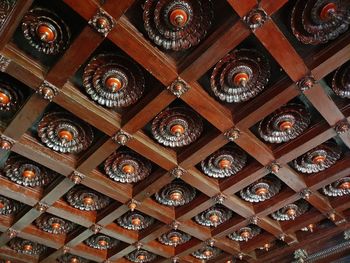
point(54, 225)
point(338, 188)
point(318, 159)
point(177, 193)
point(224, 162)
point(291, 211)
point(127, 167)
point(134, 220)
point(8, 206)
point(45, 31)
point(10, 97)
point(319, 21)
point(113, 80)
point(214, 216)
point(174, 238)
point(240, 75)
point(26, 247)
point(177, 24)
point(101, 242)
point(85, 199)
point(63, 132)
point(285, 124)
point(245, 233)
point(206, 253)
point(27, 173)
point(141, 256)
point(341, 81)
point(177, 127)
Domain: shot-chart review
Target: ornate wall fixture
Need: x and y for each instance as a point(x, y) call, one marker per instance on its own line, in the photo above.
point(27, 173)
point(245, 233)
point(261, 190)
point(6, 7)
point(291, 211)
point(45, 31)
point(69, 258)
point(177, 193)
point(240, 75)
point(101, 242)
point(113, 81)
point(206, 253)
point(285, 124)
point(141, 256)
point(177, 24)
point(319, 158)
point(8, 206)
point(63, 132)
point(225, 162)
point(341, 81)
point(318, 21)
point(10, 97)
point(338, 188)
point(86, 199)
point(174, 238)
point(177, 127)
point(53, 224)
point(214, 216)
point(127, 167)
point(134, 220)
point(26, 247)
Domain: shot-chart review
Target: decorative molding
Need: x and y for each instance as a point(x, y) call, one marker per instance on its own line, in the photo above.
point(47, 90)
point(177, 193)
point(342, 127)
point(132, 204)
point(178, 87)
point(177, 172)
point(41, 207)
point(122, 137)
point(4, 63)
point(102, 22)
point(6, 143)
point(76, 177)
point(254, 220)
point(256, 18)
point(306, 83)
point(274, 167)
point(305, 193)
point(219, 198)
point(232, 134)
point(95, 228)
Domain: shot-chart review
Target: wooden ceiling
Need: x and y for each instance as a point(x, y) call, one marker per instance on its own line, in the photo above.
point(299, 73)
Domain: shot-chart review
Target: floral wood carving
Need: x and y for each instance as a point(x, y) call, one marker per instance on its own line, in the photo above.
point(341, 81)
point(291, 211)
point(63, 132)
point(261, 190)
point(27, 173)
point(102, 22)
point(213, 216)
point(134, 220)
point(174, 238)
point(225, 162)
point(54, 225)
point(338, 188)
point(245, 233)
point(177, 24)
point(69, 258)
point(285, 124)
point(318, 159)
point(85, 199)
point(256, 18)
point(101, 242)
point(8, 206)
point(113, 80)
point(318, 21)
point(127, 167)
point(4, 63)
point(45, 31)
point(10, 97)
point(206, 253)
point(26, 247)
point(240, 75)
point(177, 127)
point(177, 193)
point(48, 91)
point(141, 256)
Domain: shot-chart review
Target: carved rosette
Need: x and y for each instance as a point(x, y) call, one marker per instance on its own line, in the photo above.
point(319, 158)
point(113, 81)
point(261, 190)
point(291, 211)
point(341, 81)
point(101, 242)
point(245, 233)
point(178, 87)
point(206, 253)
point(140, 256)
point(54, 225)
point(6, 7)
point(8, 206)
point(23, 246)
point(240, 75)
point(214, 216)
point(102, 22)
point(63, 132)
point(45, 31)
point(285, 124)
point(27, 173)
point(69, 258)
point(134, 220)
point(177, 24)
point(255, 18)
point(177, 193)
point(177, 127)
point(47, 90)
point(127, 167)
point(318, 21)
point(10, 97)
point(338, 188)
point(174, 238)
point(85, 199)
point(225, 162)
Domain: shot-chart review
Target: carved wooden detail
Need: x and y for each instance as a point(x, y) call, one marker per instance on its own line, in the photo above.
point(206, 253)
point(306, 83)
point(177, 127)
point(341, 81)
point(26, 246)
point(338, 188)
point(317, 22)
point(45, 31)
point(85, 199)
point(53, 224)
point(178, 87)
point(214, 216)
point(134, 220)
point(122, 137)
point(141, 256)
point(177, 172)
point(8, 206)
point(342, 127)
point(41, 207)
point(76, 177)
point(101, 242)
point(102, 22)
point(245, 233)
point(69, 258)
point(291, 211)
point(240, 76)
point(6, 7)
point(63, 132)
point(6, 142)
point(174, 238)
point(177, 24)
point(113, 80)
point(232, 134)
point(10, 97)
point(4, 63)
point(256, 18)
point(48, 91)
point(177, 193)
